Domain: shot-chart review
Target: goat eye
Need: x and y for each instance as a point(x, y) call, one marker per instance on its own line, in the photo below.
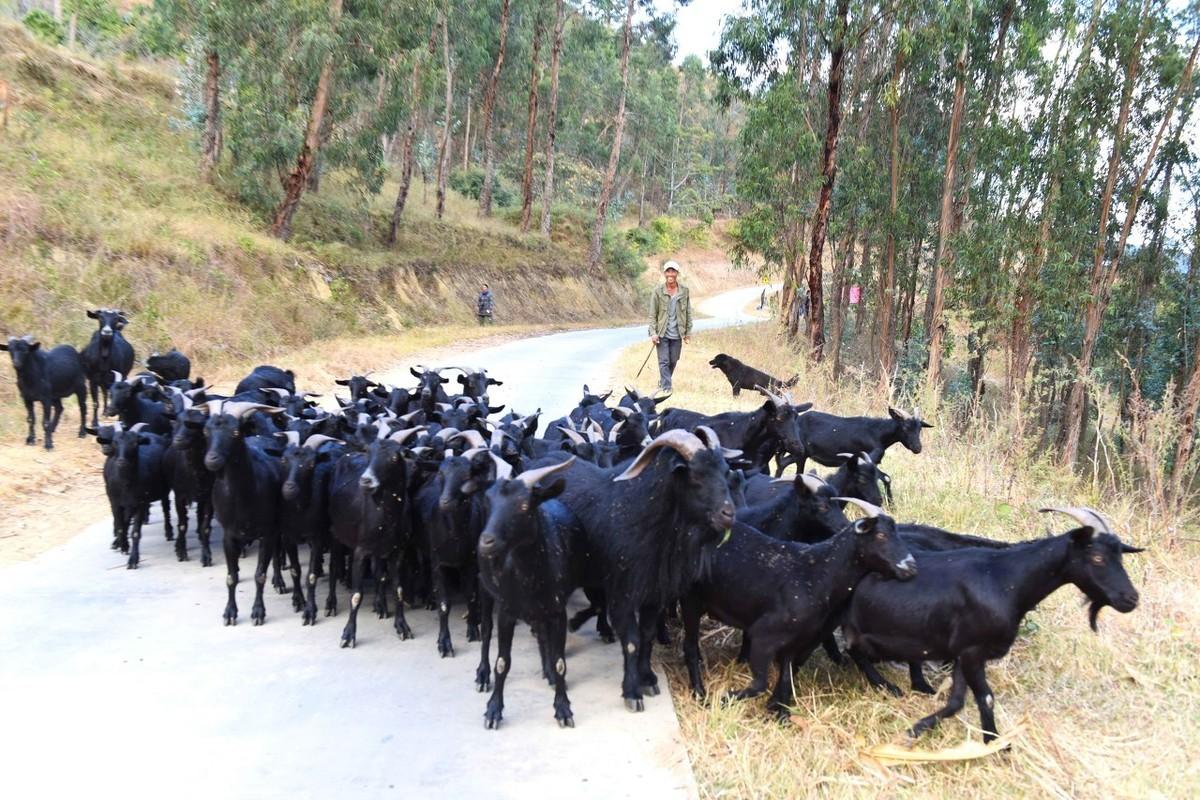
point(1097, 559)
point(881, 536)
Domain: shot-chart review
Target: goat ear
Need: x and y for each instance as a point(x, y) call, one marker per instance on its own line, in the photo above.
point(802, 407)
point(925, 424)
point(35, 345)
point(342, 382)
point(1128, 548)
point(93, 315)
point(494, 382)
point(3, 347)
point(543, 492)
point(896, 415)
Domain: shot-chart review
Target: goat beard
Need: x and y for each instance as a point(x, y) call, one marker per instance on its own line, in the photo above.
point(1094, 612)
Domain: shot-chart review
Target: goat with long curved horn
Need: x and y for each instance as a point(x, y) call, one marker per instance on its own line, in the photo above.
point(573, 435)
point(318, 439)
point(683, 442)
point(710, 438)
point(1086, 517)
point(530, 477)
point(870, 509)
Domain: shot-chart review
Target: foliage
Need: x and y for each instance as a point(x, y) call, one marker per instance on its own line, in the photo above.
point(469, 182)
point(44, 26)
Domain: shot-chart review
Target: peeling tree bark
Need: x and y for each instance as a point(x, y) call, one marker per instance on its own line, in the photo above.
point(444, 148)
point(293, 186)
point(406, 147)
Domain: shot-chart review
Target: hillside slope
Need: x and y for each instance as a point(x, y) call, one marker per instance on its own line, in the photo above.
point(100, 206)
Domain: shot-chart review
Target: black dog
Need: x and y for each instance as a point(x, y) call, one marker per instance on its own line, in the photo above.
point(743, 376)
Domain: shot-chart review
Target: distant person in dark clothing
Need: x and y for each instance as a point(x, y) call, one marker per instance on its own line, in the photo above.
point(485, 305)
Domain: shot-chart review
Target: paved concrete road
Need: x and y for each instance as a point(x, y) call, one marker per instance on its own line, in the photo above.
point(124, 682)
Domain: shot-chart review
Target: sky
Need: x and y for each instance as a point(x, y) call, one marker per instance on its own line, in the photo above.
point(698, 24)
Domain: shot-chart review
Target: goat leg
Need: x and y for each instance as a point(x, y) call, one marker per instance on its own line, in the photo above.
point(483, 674)
point(648, 621)
point(495, 704)
point(631, 637)
point(400, 623)
point(277, 566)
point(691, 645)
point(336, 565)
point(139, 517)
point(168, 531)
point(267, 547)
point(444, 645)
point(181, 507)
point(872, 675)
point(556, 637)
point(31, 418)
point(917, 678)
point(232, 555)
point(761, 654)
point(204, 517)
point(81, 397)
point(47, 428)
point(958, 693)
point(357, 564)
point(293, 551)
point(975, 671)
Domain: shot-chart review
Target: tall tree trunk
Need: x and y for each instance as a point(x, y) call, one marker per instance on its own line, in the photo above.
point(911, 295)
point(489, 112)
point(406, 147)
point(614, 155)
point(816, 306)
point(1187, 344)
point(467, 136)
point(642, 196)
point(1021, 335)
point(887, 277)
point(1104, 274)
point(72, 28)
point(210, 140)
point(552, 115)
point(842, 268)
point(293, 186)
point(535, 72)
point(942, 257)
point(444, 146)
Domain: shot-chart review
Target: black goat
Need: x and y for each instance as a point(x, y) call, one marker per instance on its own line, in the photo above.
point(786, 596)
point(170, 366)
point(966, 606)
point(647, 404)
point(808, 511)
point(450, 506)
point(133, 479)
point(529, 563)
point(368, 509)
point(245, 496)
point(191, 481)
point(475, 381)
point(47, 377)
point(648, 531)
point(759, 434)
point(266, 376)
point(827, 437)
point(106, 353)
point(304, 510)
point(139, 400)
point(359, 385)
point(743, 376)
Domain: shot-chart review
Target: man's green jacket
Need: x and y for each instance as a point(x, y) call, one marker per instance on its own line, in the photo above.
point(660, 301)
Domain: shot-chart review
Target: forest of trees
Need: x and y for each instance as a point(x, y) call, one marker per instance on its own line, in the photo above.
point(1012, 177)
point(1018, 176)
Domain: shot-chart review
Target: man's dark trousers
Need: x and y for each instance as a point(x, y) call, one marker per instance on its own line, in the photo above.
point(668, 357)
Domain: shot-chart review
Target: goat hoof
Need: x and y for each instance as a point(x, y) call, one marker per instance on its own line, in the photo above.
point(892, 689)
point(82, 434)
point(403, 631)
point(483, 686)
point(169, 535)
point(491, 720)
point(650, 689)
point(634, 704)
point(472, 634)
point(181, 556)
point(132, 564)
point(567, 721)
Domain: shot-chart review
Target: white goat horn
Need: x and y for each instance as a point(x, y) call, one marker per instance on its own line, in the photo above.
point(871, 509)
point(1086, 517)
point(532, 476)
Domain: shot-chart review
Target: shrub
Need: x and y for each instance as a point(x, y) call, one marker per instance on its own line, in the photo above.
point(621, 259)
point(469, 182)
point(44, 26)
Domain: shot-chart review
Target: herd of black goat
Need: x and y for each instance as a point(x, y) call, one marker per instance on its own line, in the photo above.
point(652, 513)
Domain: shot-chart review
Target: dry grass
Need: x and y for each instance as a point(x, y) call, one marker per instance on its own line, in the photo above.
point(1114, 714)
